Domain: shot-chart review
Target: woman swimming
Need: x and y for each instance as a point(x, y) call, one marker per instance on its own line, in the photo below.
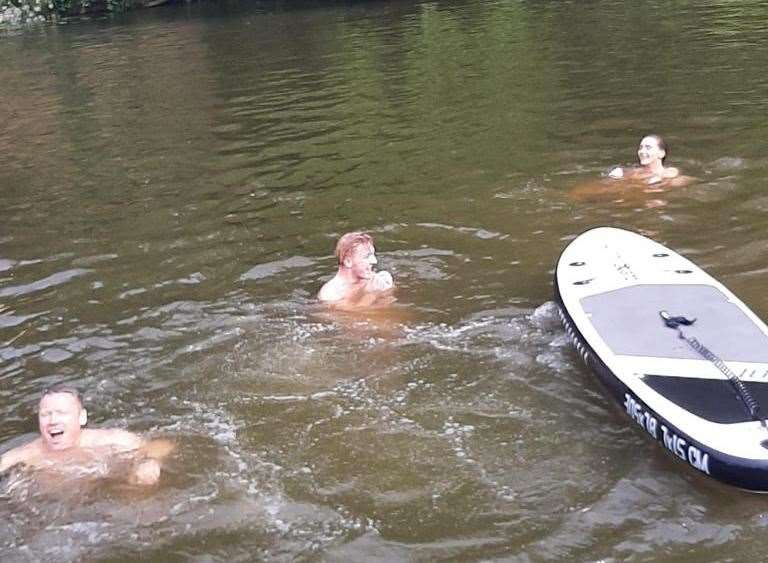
point(651, 153)
point(637, 182)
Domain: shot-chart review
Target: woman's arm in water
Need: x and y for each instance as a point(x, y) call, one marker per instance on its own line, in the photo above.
point(601, 189)
point(679, 181)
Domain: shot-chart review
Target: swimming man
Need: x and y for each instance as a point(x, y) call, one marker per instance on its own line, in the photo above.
point(65, 446)
point(356, 284)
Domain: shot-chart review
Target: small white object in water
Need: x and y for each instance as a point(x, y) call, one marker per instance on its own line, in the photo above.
point(382, 281)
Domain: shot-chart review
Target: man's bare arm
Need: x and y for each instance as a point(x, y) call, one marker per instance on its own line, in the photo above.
point(157, 449)
point(147, 470)
point(20, 454)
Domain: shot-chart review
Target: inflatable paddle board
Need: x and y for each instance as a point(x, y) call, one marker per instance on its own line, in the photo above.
point(684, 357)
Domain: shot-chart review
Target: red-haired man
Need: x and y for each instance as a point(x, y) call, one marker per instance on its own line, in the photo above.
point(356, 283)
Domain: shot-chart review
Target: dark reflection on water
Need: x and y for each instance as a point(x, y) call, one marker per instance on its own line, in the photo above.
point(173, 183)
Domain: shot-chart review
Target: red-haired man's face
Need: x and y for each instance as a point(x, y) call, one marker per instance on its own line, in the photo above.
point(361, 261)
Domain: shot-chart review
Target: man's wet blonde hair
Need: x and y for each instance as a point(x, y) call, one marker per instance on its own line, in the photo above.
point(348, 242)
point(62, 388)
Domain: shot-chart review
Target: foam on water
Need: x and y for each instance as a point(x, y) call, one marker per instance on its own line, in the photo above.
point(229, 474)
point(212, 485)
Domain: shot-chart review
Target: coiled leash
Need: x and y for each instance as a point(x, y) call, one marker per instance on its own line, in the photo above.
point(751, 404)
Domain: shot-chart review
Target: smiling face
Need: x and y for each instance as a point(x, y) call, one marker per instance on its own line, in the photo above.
point(649, 151)
point(361, 260)
point(60, 419)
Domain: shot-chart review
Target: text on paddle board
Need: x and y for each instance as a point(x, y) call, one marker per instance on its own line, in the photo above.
point(674, 443)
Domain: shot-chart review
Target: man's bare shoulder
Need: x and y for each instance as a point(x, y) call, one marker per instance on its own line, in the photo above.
point(111, 438)
point(332, 290)
point(28, 454)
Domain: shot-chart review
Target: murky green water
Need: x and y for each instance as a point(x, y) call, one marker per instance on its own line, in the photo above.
point(173, 183)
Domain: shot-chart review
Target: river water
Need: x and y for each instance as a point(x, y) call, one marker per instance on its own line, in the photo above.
point(173, 183)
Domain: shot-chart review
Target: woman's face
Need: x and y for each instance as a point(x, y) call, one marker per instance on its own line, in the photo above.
point(649, 151)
